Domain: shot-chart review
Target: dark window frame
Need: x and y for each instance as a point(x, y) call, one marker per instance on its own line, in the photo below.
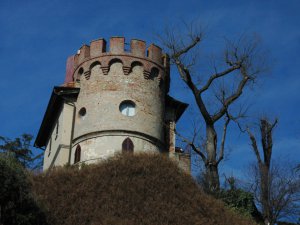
point(127, 146)
point(77, 154)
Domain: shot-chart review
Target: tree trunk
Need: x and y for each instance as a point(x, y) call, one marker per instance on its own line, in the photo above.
point(212, 173)
point(265, 194)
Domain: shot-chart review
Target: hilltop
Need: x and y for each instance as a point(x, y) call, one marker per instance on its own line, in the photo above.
point(128, 189)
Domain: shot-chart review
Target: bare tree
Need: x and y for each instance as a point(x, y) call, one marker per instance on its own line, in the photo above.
point(238, 64)
point(277, 190)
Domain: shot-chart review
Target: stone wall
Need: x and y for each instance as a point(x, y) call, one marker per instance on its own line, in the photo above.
point(106, 79)
point(58, 147)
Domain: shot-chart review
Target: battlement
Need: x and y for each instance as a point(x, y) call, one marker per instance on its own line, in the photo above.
point(154, 62)
point(117, 47)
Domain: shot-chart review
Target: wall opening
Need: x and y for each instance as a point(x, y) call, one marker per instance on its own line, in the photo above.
point(127, 108)
point(77, 154)
point(82, 112)
point(50, 146)
point(154, 73)
point(56, 130)
point(79, 74)
point(127, 146)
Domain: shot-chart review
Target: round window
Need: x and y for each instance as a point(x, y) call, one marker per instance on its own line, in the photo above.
point(82, 112)
point(127, 108)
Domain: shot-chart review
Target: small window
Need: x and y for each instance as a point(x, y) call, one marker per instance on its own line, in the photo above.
point(77, 154)
point(154, 73)
point(127, 108)
point(80, 71)
point(50, 146)
point(127, 146)
point(56, 132)
point(79, 74)
point(82, 112)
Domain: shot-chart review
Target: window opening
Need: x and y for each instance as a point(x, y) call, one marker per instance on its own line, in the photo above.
point(82, 112)
point(50, 146)
point(79, 74)
point(127, 108)
point(154, 73)
point(127, 146)
point(56, 132)
point(77, 154)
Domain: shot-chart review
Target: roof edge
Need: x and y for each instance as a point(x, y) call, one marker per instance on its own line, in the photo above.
point(52, 112)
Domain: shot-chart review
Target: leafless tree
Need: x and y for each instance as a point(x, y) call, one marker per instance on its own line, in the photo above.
point(241, 64)
point(277, 189)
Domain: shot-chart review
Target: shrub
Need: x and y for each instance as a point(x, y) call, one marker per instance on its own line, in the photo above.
point(17, 206)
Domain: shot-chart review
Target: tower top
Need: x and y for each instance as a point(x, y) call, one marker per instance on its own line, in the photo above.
point(116, 49)
point(117, 46)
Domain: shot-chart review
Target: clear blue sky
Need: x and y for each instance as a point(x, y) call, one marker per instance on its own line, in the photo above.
point(37, 36)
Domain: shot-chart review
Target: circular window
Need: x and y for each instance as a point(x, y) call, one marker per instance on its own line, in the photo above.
point(82, 112)
point(127, 108)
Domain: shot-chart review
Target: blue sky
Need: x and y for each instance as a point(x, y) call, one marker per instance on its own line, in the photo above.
point(37, 36)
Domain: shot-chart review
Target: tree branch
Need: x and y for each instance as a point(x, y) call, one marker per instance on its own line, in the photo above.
point(178, 53)
point(217, 75)
point(195, 149)
point(231, 98)
point(223, 140)
point(254, 146)
point(187, 78)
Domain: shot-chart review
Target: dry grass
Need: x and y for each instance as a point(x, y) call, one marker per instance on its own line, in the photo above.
point(132, 189)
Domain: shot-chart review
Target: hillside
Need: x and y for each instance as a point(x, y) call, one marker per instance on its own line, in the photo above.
point(132, 189)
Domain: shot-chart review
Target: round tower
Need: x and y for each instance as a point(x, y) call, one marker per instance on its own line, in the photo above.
point(121, 103)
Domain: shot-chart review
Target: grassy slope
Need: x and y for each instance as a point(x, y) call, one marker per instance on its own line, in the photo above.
point(139, 189)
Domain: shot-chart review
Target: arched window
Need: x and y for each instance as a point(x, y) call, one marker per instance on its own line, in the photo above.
point(79, 74)
point(154, 73)
point(95, 68)
point(127, 145)
point(127, 108)
point(77, 154)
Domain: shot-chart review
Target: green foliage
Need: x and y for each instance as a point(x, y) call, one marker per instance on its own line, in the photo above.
point(17, 206)
point(20, 149)
point(239, 200)
point(234, 198)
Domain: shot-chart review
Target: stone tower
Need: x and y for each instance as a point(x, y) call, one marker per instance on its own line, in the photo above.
point(111, 101)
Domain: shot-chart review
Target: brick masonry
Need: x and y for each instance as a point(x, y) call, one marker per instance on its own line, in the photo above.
point(108, 75)
point(107, 78)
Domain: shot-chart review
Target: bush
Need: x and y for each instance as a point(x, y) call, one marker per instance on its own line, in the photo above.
point(240, 201)
point(17, 206)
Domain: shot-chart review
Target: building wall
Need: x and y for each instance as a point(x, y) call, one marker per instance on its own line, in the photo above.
point(58, 148)
point(183, 160)
point(101, 95)
point(103, 146)
point(106, 80)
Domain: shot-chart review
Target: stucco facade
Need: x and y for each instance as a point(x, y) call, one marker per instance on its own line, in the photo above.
point(112, 101)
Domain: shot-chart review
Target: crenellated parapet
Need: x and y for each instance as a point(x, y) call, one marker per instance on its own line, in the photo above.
point(152, 59)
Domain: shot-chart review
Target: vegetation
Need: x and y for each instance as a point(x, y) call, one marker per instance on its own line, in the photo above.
point(277, 190)
point(234, 197)
point(130, 189)
point(240, 201)
point(216, 87)
point(17, 205)
point(20, 149)
point(226, 79)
